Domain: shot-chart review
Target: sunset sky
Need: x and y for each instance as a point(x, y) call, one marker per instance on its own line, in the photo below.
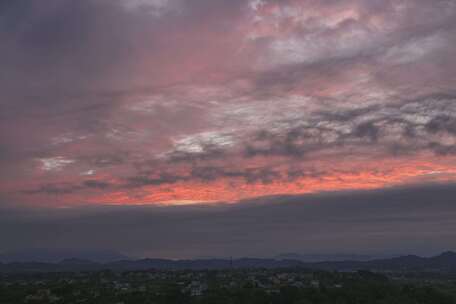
point(132, 104)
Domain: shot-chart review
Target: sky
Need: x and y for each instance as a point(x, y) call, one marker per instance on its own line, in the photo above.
point(165, 111)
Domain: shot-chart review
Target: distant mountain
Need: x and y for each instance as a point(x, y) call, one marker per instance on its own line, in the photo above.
point(57, 255)
point(312, 258)
point(445, 262)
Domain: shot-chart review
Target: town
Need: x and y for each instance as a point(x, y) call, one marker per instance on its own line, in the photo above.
point(300, 286)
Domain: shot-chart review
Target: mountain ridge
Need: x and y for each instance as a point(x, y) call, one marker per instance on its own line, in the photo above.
point(444, 262)
point(43, 255)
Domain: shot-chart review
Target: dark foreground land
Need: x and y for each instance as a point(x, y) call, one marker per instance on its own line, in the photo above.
point(234, 286)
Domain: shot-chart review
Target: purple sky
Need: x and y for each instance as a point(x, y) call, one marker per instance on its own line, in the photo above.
point(173, 102)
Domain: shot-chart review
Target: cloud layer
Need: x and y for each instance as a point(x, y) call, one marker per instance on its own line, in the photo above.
point(169, 101)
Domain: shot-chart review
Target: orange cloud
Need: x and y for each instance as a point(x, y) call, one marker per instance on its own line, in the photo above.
point(375, 175)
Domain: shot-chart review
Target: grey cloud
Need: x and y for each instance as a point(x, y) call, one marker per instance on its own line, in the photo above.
point(295, 173)
point(106, 160)
point(442, 149)
point(368, 130)
point(263, 175)
point(95, 184)
point(410, 52)
point(204, 174)
point(312, 41)
point(198, 173)
point(163, 179)
point(209, 152)
point(68, 188)
point(54, 189)
point(207, 174)
point(414, 125)
point(442, 123)
point(407, 126)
